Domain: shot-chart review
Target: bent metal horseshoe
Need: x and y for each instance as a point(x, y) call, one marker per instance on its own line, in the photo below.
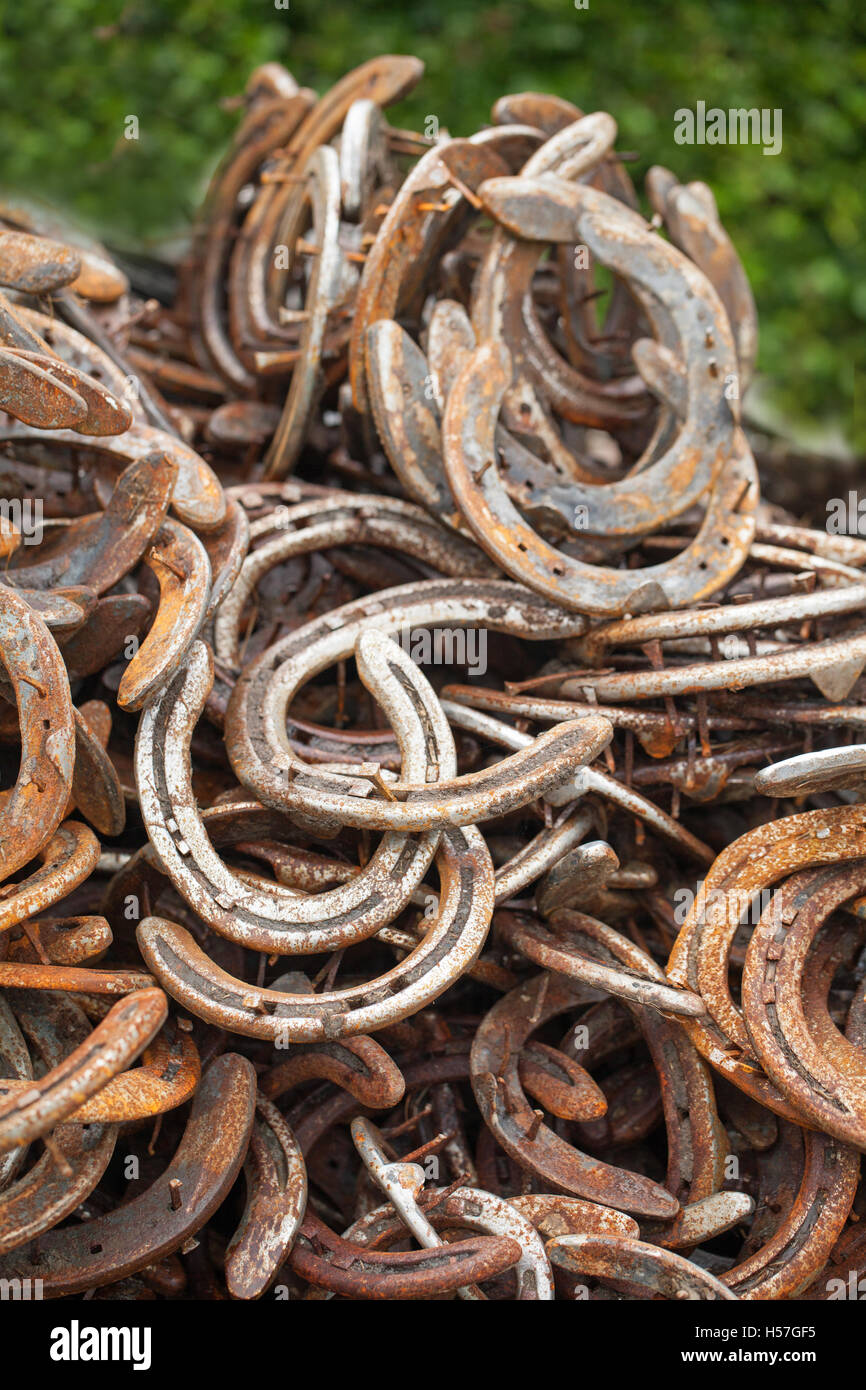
point(259, 747)
point(143, 1231)
point(451, 945)
point(713, 557)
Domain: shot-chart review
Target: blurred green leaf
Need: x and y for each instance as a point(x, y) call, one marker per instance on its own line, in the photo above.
point(71, 73)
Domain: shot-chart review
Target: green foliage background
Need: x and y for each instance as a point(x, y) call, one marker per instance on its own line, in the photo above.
point(72, 70)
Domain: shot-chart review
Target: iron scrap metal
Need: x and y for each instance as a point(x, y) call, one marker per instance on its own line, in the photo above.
point(381, 602)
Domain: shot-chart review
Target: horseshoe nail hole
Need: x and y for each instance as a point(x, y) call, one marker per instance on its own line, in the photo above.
point(558, 571)
point(46, 723)
point(96, 1249)
point(521, 546)
point(702, 565)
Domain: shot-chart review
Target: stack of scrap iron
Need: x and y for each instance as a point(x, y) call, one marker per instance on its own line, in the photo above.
point(433, 855)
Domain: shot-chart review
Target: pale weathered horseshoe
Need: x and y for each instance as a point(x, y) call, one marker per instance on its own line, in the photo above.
point(550, 763)
point(255, 719)
point(690, 323)
point(554, 1215)
point(321, 193)
point(547, 848)
point(546, 764)
point(502, 307)
point(402, 1184)
point(567, 957)
point(450, 946)
point(408, 392)
point(834, 665)
point(622, 1260)
point(279, 919)
point(342, 519)
point(476, 1210)
point(276, 1179)
point(828, 769)
point(402, 386)
point(363, 157)
point(692, 219)
point(713, 557)
point(715, 622)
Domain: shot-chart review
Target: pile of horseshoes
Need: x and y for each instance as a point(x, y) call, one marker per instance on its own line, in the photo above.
point(342, 956)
